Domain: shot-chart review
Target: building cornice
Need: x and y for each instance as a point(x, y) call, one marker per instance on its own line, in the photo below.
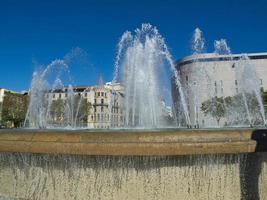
point(213, 57)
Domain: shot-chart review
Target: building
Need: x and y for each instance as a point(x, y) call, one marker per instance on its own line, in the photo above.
point(16, 98)
point(208, 75)
point(2, 95)
point(106, 102)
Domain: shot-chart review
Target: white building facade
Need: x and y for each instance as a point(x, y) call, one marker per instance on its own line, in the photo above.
point(106, 104)
point(204, 76)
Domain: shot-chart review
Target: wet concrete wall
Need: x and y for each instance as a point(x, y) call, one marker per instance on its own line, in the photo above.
point(191, 177)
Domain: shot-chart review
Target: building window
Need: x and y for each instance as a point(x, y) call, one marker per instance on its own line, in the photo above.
point(92, 117)
point(102, 109)
point(66, 95)
point(54, 95)
point(102, 94)
point(98, 94)
point(85, 94)
point(105, 94)
point(98, 117)
point(59, 96)
point(235, 82)
point(102, 101)
point(95, 101)
point(261, 82)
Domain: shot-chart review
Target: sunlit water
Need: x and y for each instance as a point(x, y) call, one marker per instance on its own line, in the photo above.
point(246, 108)
point(141, 63)
point(146, 69)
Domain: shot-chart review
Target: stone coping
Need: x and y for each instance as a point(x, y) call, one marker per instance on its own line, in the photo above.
point(129, 142)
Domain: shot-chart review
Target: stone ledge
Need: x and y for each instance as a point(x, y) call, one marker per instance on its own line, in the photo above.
point(164, 142)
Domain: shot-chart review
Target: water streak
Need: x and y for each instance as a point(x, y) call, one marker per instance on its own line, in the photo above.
point(141, 58)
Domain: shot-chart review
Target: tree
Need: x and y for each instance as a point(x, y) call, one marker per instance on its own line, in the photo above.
point(82, 108)
point(70, 111)
point(1, 106)
point(241, 108)
point(264, 99)
point(214, 107)
point(57, 110)
point(14, 109)
point(248, 107)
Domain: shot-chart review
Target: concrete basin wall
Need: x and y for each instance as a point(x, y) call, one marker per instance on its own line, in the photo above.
point(191, 177)
point(133, 165)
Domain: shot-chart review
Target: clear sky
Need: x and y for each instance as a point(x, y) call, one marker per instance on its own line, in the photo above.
point(40, 31)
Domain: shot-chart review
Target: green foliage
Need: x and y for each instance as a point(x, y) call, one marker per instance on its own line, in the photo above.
point(14, 109)
point(217, 107)
point(253, 107)
point(1, 107)
point(264, 97)
point(214, 107)
point(83, 107)
point(57, 110)
point(80, 108)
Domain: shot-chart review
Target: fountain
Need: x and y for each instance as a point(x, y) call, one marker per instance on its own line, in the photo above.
point(142, 60)
point(221, 47)
point(198, 42)
point(148, 160)
point(253, 110)
point(200, 80)
point(45, 83)
point(248, 107)
point(209, 91)
point(144, 65)
point(38, 114)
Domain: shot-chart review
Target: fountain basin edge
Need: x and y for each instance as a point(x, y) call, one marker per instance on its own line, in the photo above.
point(134, 142)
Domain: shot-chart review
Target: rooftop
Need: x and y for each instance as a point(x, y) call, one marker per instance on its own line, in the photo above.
point(209, 57)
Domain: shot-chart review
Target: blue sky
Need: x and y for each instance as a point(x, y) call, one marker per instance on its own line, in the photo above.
point(40, 31)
